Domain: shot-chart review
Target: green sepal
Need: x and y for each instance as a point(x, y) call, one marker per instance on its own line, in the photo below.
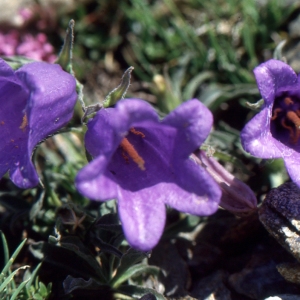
point(66, 53)
point(120, 91)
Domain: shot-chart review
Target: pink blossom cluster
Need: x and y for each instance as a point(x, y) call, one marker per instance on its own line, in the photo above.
point(35, 47)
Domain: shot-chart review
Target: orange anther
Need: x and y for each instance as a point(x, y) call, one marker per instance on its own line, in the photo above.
point(2, 123)
point(292, 116)
point(288, 101)
point(136, 132)
point(24, 122)
point(129, 149)
point(294, 132)
point(275, 113)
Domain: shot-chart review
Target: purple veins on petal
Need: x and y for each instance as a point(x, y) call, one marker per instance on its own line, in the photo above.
point(144, 163)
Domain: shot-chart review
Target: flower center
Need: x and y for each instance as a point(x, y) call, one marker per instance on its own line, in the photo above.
point(287, 116)
point(129, 149)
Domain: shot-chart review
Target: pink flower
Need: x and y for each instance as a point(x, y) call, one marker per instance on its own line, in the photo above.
point(35, 47)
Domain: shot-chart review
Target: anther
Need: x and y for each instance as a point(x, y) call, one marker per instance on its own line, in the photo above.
point(136, 132)
point(275, 113)
point(288, 101)
point(129, 149)
point(292, 116)
point(24, 122)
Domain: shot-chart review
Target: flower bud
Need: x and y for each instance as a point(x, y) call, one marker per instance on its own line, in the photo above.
point(237, 197)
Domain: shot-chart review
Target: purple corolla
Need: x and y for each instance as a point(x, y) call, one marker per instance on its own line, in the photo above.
point(144, 163)
point(36, 101)
point(275, 131)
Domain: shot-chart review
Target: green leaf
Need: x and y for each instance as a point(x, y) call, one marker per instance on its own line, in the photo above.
point(10, 277)
point(38, 297)
point(138, 291)
point(37, 206)
point(130, 258)
point(5, 248)
point(32, 276)
point(18, 290)
point(191, 87)
point(134, 271)
point(12, 259)
point(70, 284)
point(278, 51)
point(186, 224)
point(43, 289)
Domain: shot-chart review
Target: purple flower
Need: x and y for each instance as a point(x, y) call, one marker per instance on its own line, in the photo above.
point(145, 164)
point(36, 101)
point(275, 131)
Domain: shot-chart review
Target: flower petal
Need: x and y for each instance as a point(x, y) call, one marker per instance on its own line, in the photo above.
point(13, 102)
point(257, 138)
point(109, 126)
point(194, 191)
point(292, 166)
point(36, 101)
point(193, 122)
point(52, 99)
point(143, 216)
point(272, 77)
point(91, 181)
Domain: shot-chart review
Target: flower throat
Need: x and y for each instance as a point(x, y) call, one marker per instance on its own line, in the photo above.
point(288, 117)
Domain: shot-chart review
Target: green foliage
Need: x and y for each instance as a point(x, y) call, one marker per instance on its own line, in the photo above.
point(29, 288)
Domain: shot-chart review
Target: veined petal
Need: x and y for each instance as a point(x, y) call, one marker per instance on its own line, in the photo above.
point(143, 216)
point(193, 122)
point(109, 126)
point(52, 99)
point(91, 181)
point(272, 77)
point(194, 191)
point(36, 101)
point(13, 139)
point(257, 138)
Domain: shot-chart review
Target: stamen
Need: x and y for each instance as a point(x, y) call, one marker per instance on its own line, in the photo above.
point(24, 122)
point(288, 101)
point(136, 132)
point(129, 149)
point(2, 123)
point(275, 113)
point(292, 116)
